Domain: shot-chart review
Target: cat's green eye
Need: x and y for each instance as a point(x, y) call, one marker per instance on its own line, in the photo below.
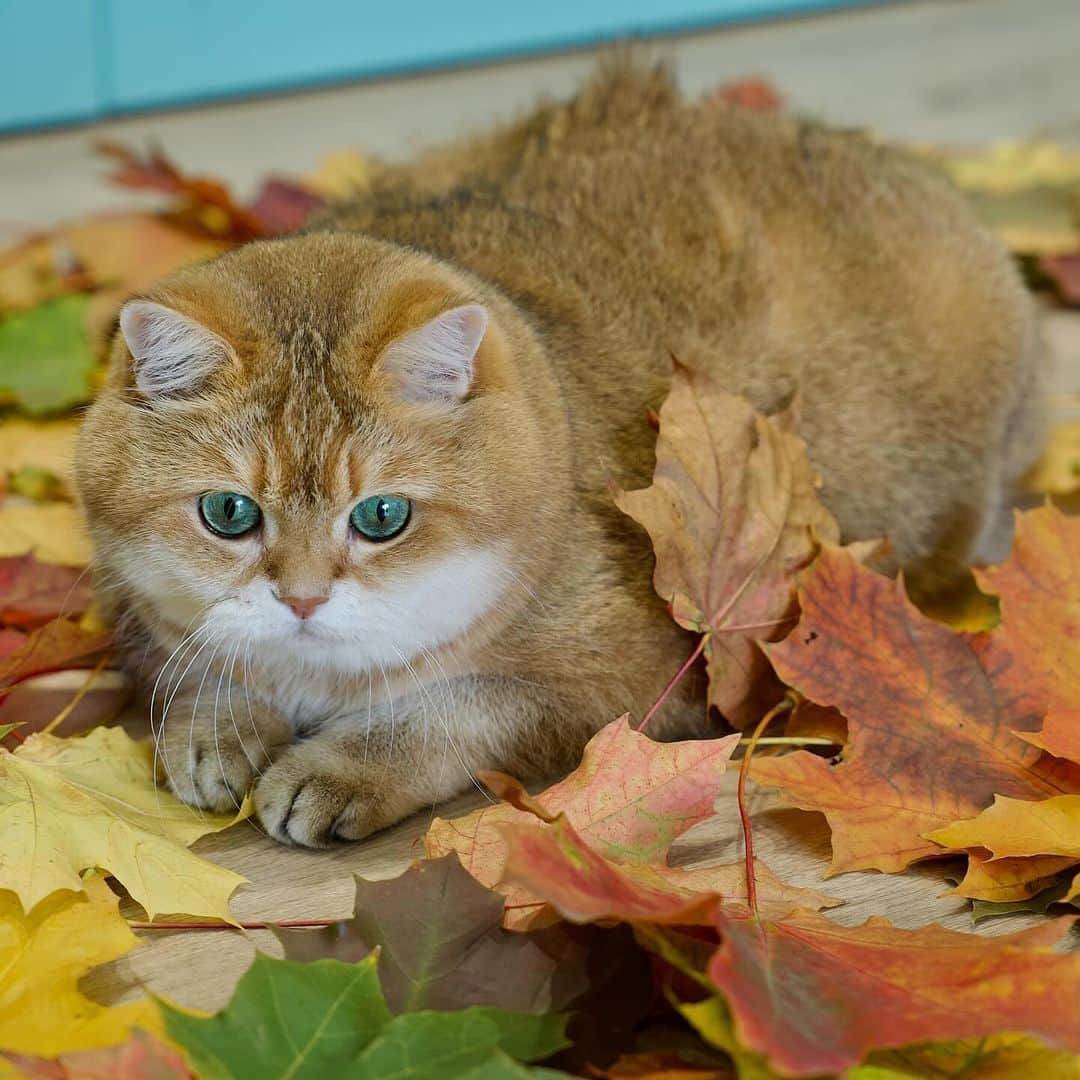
point(381, 516)
point(228, 514)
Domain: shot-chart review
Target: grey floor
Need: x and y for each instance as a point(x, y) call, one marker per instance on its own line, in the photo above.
point(955, 71)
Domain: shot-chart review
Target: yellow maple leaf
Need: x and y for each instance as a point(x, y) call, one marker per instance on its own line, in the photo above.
point(54, 532)
point(1058, 470)
point(39, 444)
point(1013, 827)
point(341, 173)
point(1014, 166)
point(69, 805)
point(44, 954)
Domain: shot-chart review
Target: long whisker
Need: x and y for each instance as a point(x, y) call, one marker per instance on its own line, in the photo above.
point(217, 742)
point(247, 700)
point(158, 733)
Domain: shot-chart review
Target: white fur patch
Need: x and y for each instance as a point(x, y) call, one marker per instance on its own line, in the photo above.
point(363, 629)
point(436, 361)
point(172, 353)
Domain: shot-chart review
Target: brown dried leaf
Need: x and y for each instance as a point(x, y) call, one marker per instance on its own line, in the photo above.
point(733, 515)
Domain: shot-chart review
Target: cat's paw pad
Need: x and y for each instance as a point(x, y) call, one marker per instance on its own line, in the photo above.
point(300, 802)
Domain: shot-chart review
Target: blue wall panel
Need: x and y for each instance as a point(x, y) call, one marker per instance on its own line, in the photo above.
point(64, 60)
point(190, 49)
point(48, 61)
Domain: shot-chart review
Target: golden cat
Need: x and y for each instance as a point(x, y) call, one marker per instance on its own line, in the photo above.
point(349, 490)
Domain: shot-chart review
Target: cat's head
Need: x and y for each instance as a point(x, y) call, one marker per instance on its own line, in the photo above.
point(323, 446)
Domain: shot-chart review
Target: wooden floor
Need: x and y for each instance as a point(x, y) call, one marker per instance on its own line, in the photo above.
point(955, 71)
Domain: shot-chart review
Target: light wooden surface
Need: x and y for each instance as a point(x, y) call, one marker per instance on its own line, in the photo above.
point(200, 968)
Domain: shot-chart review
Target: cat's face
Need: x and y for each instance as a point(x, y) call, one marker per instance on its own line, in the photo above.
point(303, 449)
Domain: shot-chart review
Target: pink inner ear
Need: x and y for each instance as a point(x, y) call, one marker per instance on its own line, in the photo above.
point(435, 361)
point(172, 352)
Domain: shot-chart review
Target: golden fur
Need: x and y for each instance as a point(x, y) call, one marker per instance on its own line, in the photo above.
point(602, 236)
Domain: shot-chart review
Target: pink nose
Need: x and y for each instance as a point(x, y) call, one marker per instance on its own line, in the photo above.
point(303, 606)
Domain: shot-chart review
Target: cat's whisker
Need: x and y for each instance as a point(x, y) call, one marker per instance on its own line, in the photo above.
point(446, 727)
point(191, 763)
point(217, 741)
point(158, 732)
point(246, 675)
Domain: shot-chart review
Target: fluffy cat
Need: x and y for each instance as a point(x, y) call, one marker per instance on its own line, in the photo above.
point(349, 489)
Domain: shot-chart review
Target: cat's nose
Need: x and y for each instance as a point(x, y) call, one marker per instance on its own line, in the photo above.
point(303, 606)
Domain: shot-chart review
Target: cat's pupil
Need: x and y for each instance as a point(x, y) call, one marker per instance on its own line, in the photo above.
point(230, 509)
point(382, 510)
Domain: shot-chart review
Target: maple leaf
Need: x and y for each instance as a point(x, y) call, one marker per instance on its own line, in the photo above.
point(995, 1057)
point(1013, 827)
point(1060, 734)
point(1039, 591)
point(1026, 192)
point(931, 717)
point(283, 206)
point(44, 954)
point(45, 356)
point(1058, 470)
point(753, 92)
point(61, 643)
point(338, 1024)
point(1063, 271)
point(1009, 880)
point(816, 998)
point(142, 1057)
point(48, 445)
point(733, 515)
point(207, 201)
point(1039, 638)
point(32, 593)
point(630, 798)
point(69, 805)
point(54, 532)
point(555, 864)
point(441, 945)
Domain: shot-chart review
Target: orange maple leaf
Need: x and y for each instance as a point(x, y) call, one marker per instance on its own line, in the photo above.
point(817, 998)
point(554, 863)
point(630, 797)
point(932, 716)
point(733, 515)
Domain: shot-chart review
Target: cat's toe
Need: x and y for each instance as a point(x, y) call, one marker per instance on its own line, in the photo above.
point(212, 774)
point(221, 777)
point(299, 805)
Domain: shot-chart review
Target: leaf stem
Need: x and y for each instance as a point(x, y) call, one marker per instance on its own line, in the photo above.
point(69, 708)
point(744, 815)
point(287, 924)
point(673, 682)
point(790, 740)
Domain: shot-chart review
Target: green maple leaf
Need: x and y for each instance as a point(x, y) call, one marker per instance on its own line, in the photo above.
point(327, 1018)
point(45, 357)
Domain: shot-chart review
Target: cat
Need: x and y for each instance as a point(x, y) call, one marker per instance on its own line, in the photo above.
point(349, 489)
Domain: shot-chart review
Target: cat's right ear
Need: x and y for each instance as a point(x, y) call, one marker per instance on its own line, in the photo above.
point(171, 352)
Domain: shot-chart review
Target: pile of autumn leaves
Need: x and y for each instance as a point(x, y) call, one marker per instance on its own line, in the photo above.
point(551, 928)
point(551, 934)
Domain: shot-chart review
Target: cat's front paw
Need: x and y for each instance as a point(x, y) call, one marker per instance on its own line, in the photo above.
point(313, 798)
point(211, 770)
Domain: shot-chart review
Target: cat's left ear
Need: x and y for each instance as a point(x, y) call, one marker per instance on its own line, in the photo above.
point(435, 362)
point(171, 352)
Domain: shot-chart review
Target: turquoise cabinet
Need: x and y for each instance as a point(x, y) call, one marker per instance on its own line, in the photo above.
point(63, 60)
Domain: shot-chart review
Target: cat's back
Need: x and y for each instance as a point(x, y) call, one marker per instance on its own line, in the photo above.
point(631, 224)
